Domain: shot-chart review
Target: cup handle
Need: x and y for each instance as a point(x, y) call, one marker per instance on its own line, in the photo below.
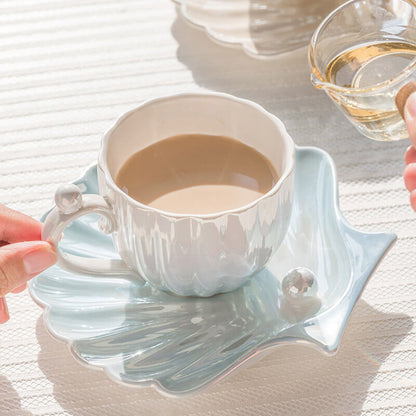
point(72, 204)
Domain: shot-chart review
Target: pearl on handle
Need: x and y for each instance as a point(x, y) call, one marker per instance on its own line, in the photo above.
point(68, 198)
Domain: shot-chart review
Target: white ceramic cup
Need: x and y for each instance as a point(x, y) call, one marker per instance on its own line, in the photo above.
point(189, 255)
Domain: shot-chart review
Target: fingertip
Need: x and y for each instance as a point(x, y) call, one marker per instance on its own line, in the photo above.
point(19, 262)
point(53, 248)
point(40, 258)
point(17, 226)
point(410, 155)
point(4, 311)
point(411, 129)
point(409, 176)
point(413, 199)
point(410, 117)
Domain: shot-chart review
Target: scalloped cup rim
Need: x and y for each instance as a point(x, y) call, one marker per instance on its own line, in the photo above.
point(290, 146)
point(250, 51)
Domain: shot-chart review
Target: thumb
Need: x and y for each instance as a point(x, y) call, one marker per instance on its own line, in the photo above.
point(20, 262)
point(410, 117)
point(406, 104)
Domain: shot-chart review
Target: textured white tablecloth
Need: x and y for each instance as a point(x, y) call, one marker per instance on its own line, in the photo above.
point(68, 69)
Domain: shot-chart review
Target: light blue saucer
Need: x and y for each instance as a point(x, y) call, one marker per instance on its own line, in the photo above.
point(141, 336)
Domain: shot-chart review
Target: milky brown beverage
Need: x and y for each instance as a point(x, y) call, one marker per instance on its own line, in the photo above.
point(196, 174)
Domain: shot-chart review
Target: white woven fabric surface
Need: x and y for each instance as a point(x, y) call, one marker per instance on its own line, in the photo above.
point(67, 70)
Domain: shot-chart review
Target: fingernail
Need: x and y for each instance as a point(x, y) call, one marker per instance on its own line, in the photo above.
point(4, 311)
point(410, 107)
point(39, 259)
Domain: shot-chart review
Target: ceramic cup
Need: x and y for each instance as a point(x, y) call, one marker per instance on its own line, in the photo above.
point(189, 255)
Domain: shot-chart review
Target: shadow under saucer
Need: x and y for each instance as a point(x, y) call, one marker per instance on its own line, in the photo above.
point(291, 381)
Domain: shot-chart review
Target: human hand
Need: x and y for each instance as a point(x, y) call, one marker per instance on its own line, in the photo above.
point(410, 155)
point(22, 254)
